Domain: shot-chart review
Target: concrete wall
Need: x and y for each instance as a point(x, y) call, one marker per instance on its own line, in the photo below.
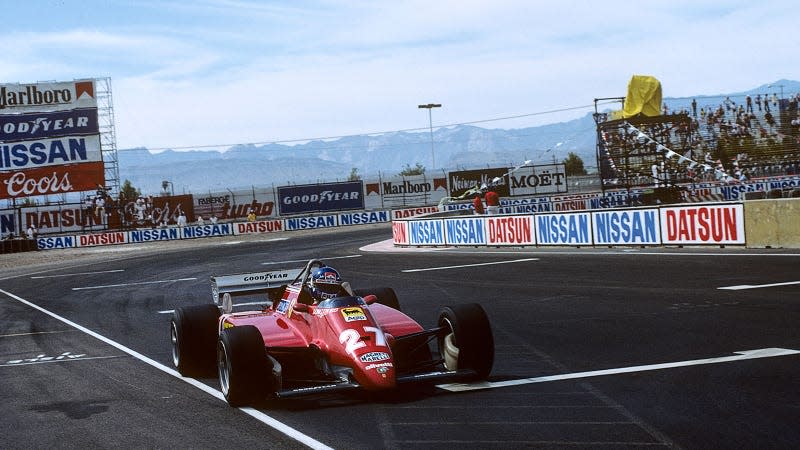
point(773, 223)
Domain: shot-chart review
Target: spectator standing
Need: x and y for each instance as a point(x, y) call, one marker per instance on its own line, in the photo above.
point(182, 220)
point(88, 210)
point(758, 101)
point(200, 221)
point(100, 208)
point(29, 232)
point(213, 219)
point(492, 202)
point(694, 107)
point(251, 215)
point(477, 203)
point(749, 102)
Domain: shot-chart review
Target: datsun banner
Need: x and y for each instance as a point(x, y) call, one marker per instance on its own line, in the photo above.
point(98, 239)
point(509, 230)
point(51, 180)
point(703, 224)
point(53, 96)
point(38, 125)
point(321, 197)
point(261, 226)
point(400, 233)
point(411, 212)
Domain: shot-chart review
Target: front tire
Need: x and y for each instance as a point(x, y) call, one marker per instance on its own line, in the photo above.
point(243, 366)
point(468, 342)
point(386, 296)
point(193, 331)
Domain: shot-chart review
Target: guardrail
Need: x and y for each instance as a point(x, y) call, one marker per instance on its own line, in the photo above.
point(757, 223)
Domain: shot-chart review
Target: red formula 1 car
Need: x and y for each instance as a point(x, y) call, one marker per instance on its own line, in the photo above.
point(295, 346)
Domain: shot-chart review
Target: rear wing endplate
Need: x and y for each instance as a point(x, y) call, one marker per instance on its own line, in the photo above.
point(250, 283)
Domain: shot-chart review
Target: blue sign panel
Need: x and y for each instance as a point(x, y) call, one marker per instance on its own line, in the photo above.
point(307, 223)
point(360, 218)
point(638, 226)
point(321, 197)
point(465, 231)
point(425, 232)
point(155, 234)
point(563, 229)
point(34, 126)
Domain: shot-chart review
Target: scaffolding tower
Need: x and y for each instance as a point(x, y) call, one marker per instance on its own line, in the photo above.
point(108, 135)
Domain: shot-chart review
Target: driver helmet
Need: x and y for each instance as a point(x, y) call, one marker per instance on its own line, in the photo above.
point(325, 283)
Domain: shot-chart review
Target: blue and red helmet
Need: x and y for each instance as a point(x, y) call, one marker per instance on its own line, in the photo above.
point(325, 283)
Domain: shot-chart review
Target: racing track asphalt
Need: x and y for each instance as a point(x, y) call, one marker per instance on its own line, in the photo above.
point(553, 312)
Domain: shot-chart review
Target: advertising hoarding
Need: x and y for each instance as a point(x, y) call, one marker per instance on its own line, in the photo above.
point(51, 180)
point(321, 197)
point(39, 125)
point(47, 96)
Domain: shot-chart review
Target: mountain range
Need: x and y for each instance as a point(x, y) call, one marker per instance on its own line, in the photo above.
point(373, 156)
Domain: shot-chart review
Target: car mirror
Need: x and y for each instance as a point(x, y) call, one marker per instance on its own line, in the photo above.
point(370, 299)
point(302, 307)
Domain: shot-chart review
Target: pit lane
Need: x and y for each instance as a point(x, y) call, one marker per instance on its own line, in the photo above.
point(554, 312)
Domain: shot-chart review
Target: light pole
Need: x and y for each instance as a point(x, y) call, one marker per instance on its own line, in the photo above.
point(429, 107)
point(777, 85)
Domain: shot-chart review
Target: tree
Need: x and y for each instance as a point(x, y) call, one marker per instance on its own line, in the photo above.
point(354, 176)
point(408, 171)
point(129, 192)
point(573, 165)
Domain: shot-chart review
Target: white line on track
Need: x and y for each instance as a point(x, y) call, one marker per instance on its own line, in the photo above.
point(306, 260)
point(256, 414)
point(740, 356)
point(757, 286)
point(60, 361)
point(35, 333)
point(470, 265)
point(257, 240)
point(130, 284)
point(78, 273)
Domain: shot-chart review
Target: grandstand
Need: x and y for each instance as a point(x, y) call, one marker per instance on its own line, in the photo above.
point(733, 141)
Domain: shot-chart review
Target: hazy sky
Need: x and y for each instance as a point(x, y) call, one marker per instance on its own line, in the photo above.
point(206, 72)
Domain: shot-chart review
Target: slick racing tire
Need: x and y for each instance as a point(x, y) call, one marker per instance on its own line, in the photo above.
point(243, 366)
point(468, 342)
point(386, 296)
point(193, 331)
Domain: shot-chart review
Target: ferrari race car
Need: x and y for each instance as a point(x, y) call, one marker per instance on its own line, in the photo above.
point(297, 346)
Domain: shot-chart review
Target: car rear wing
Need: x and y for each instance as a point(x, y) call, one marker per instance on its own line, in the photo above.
point(251, 283)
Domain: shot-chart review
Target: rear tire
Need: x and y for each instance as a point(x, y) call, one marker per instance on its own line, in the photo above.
point(386, 296)
point(243, 366)
point(469, 344)
point(193, 331)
